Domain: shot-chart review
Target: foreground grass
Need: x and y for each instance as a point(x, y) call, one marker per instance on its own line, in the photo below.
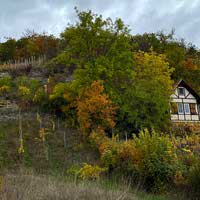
point(37, 187)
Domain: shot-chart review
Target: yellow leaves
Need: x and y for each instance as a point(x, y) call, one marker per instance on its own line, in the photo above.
point(154, 67)
point(91, 172)
point(187, 137)
point(186, 150)
point(128, 152)
point(4, 88)
point(87, 172)
point(43, 132)
point(189, 143)
point(24, 91)
point(146, 154)
point(21, 147)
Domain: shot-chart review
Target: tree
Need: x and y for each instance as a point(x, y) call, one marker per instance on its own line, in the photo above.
point(30, 45)
point(158, 41)
point(7, 50)
point(94, 109)
point(98, 49)
point(101, 50)
point(146, 101)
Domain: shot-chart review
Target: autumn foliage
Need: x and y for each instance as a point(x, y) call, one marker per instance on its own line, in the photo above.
point(94, 109)
point(150, 156)
point(102, 80)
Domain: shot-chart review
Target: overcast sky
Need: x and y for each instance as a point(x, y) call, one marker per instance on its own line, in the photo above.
point(142, 15)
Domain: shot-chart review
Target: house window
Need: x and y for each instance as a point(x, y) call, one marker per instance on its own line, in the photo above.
point(193, 109)
point(181, 91)
point(187, 108)
point(180, 108)
point(174, 108)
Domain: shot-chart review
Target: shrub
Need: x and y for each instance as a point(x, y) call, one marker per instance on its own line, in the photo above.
point(6, 80)
point(87, 172)
point(189, 143)
point(158, 159)
point(97, 138)
point(26, 90)
point(5, 86)
point(109, 153)
point(91, 172)
point(129, 157)
point(41, 97)
point(73, 171)
point(150, 157)
point(23, 90)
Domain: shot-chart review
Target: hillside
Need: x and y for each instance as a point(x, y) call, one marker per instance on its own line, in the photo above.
point(92, 106)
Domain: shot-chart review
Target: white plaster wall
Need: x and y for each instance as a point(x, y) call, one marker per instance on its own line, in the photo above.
point(181, 117)
point(174, 117)
point(176, 100)
point(195, 117)
point(190, 96)
point(189, 100)
point(187, 117)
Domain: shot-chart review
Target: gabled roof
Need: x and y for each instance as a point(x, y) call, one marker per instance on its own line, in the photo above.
point(182, 83)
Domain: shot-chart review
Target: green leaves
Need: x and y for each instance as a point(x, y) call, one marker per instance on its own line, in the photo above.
point(146, 101)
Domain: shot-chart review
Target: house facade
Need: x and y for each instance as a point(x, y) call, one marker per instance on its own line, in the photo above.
point(185, 104)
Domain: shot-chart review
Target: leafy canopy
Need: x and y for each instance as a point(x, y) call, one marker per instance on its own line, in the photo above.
point(98, 49)
point(146, 101)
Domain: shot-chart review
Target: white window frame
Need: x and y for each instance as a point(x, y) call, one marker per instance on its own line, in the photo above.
point(187, 108)
point(180, 105)
point(182, 95)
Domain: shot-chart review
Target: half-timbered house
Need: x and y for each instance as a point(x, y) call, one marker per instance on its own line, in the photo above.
point(185, 104)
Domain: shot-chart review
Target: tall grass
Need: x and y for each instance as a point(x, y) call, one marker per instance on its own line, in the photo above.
point(32, 187)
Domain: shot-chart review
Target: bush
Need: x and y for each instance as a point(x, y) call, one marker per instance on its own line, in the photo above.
point(91, 172)
point(158, 159)
point(87, 172)
point(151, 157)
point(109, 155)
point(6, 85)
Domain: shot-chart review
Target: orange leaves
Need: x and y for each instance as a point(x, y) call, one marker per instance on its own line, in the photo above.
point(128, 152)
point(94, 109)
point(189, 64)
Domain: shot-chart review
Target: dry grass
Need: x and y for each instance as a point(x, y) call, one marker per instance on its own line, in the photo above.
point(31, 187)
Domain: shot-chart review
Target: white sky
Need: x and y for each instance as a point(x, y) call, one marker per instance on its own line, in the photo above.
point(142, 16)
